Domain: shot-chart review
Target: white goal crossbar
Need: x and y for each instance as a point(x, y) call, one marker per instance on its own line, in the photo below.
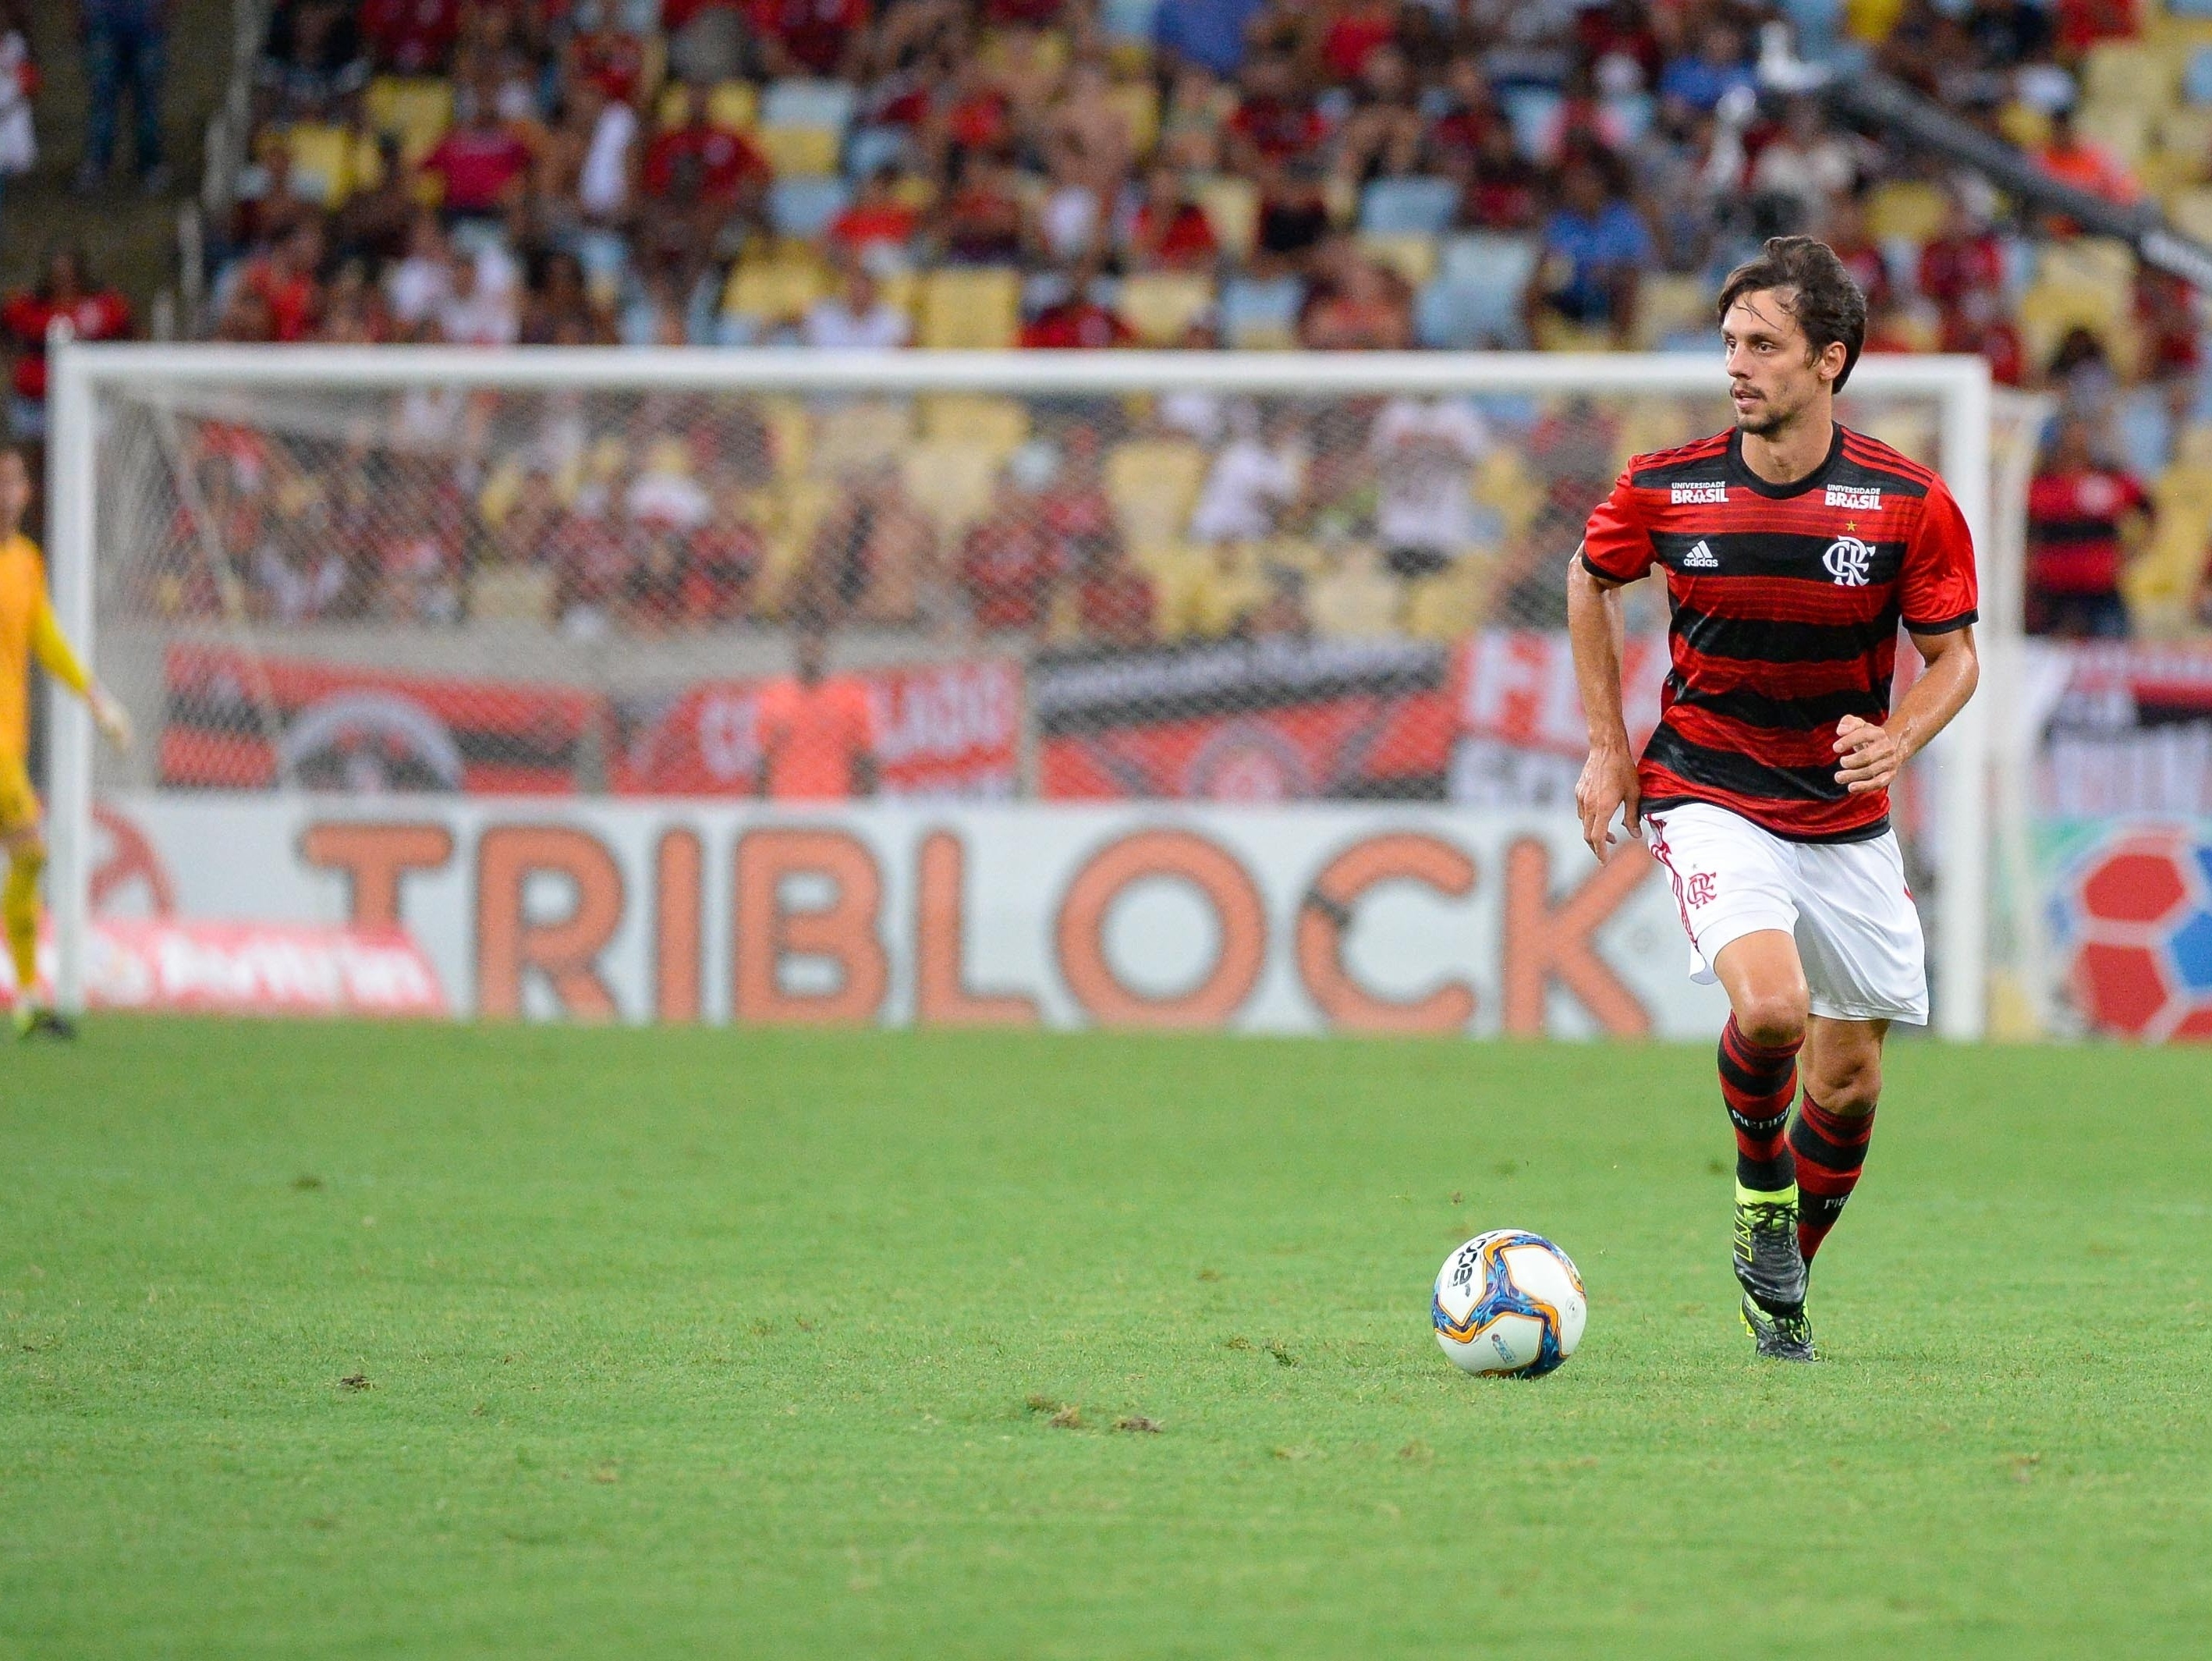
point(1958, 387)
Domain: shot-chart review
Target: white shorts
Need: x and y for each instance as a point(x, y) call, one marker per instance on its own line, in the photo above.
point(1846, 904)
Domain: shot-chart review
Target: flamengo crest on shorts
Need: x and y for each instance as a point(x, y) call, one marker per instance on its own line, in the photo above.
point(1786, 601)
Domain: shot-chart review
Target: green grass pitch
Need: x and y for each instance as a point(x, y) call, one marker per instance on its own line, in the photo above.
point(355, 1341)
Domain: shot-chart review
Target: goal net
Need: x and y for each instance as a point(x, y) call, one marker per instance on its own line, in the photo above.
point(402, 575)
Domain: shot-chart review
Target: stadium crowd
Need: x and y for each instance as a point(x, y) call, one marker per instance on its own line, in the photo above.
point(1199, 173)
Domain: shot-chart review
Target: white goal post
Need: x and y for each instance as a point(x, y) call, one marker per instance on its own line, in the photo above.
point(1953, 393)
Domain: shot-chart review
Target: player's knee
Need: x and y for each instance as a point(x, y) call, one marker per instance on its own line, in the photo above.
point(1851, 1088)
point(1775, 1019)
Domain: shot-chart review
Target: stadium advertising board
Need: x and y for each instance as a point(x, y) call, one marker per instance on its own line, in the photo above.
point(940, 730)
point(241, 721)
point(1420, 920)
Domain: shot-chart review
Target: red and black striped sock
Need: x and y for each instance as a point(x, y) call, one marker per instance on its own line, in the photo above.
point(1756, 1085)
point(1831, 1151)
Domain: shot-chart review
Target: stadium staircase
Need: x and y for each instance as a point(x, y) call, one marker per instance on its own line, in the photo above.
point(130, 239)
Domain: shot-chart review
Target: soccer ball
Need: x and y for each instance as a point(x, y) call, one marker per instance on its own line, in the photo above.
point(2139, 910)
point(1508, 1302)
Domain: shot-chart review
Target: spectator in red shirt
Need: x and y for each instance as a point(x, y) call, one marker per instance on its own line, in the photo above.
point(1274, 121)
point(482, 165)
point(1961, 256)
point(611, 58)
point(2166, 309)
point(287, 279)
point(819, 38)
point(697, 159)
point(727, 553)
point(2081, 516)
point(979, 222)
point(1456, 137)
point(68, 293)
point(1359, 29)
point(1846, 233)
point(876, 218)
point(1382, 136)
point(1169, 231)
point(411, 37)
point(1976, 324)
point(1077, 323)
point(1114, 600)
point(1009, 563)
point(698, 177)
point(2081, 23)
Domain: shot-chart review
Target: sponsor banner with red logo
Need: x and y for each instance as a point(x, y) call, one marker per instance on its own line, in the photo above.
point(1404, 917)
point(200, 967)
point(239, 720)
point(2122, 727)
point(1520, 736)
point(945, 730)
point(1267, 720)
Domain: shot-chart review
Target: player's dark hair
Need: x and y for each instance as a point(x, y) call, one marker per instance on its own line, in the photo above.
point(1820, 294)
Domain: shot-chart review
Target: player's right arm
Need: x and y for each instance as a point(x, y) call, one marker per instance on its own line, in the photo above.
point(1598, 631)
point(60, 659)
point(1616, 550)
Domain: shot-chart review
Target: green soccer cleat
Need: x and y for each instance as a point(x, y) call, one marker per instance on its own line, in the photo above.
point(1780, 1337)
point(1768, 1263)
point(36, 1021)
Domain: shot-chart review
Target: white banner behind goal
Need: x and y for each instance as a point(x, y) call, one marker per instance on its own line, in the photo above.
point(1070, 579)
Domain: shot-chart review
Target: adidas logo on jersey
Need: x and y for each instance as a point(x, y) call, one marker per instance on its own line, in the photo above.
point(1701, 558)
point(1865, 498)
point(1713, 491)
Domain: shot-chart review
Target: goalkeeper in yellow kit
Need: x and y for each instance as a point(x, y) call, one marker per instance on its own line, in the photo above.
point(28, 629)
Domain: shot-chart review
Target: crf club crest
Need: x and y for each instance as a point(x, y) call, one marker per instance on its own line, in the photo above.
point(1849, 561)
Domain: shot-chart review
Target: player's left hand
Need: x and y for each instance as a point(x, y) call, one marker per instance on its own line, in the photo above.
point(111, 718)
point(1871, 755)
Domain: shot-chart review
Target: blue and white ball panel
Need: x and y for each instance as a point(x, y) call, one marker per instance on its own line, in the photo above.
point(1508, 1302)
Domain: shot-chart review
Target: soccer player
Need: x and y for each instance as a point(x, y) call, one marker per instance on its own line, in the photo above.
point(1793, 548)
point(28, 629)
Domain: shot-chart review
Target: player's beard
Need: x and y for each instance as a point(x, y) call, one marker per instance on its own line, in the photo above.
point(1768, 418)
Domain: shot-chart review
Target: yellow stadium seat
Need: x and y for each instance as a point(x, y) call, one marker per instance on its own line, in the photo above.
point(777, 291)
point(511, 594)
point(1153, 484)
point(1138, 102)
point(790, 435)
point(1448, 606)
point(973, 308)
point(2104, 262)
point(1232, 206)
point(734, 105)
point(2023, 124)
point(851, 437)
point(1905, 207)
point(2127, 72)
point(1044, 53)
point(2192, 213)
point(329, 164)
point(2186, 128)
point(1203, 592)
point(417, 109)
point(1355, 602)
point(2125, 129)
point(1669, 304)
point(1411, 255)
point(999, 425)
point(799, 152)
point(1160, 306)
point(951, 480)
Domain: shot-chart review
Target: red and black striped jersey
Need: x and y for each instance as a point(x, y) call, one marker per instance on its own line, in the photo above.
point(1786, 601)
